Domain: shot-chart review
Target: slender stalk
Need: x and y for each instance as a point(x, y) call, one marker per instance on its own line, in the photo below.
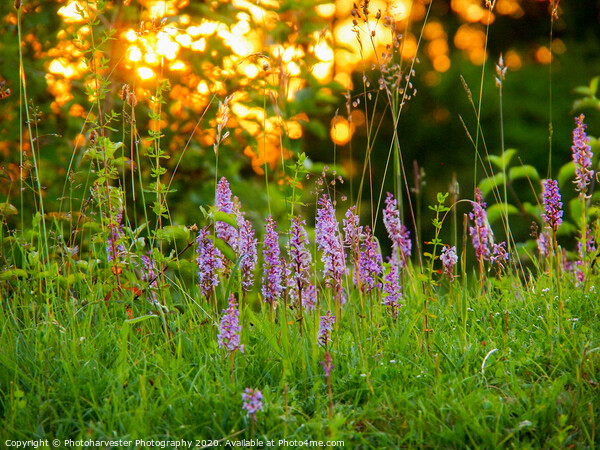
point(43, 238)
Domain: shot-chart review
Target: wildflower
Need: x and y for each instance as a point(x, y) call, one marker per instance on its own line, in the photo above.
point(579, 270)
point(210, 262)
point(449, 259)
point(369, 264)
point(326, 363)
point(252, 401)
point(480, 232)
point(582, 265)
point(246, 249)
point(148, 269)
point(301, 289)
point(224, 204)
point(325, 327)
point(590, 244)
point(582, 155)
point(148, 273)
point(499, 255)
point(543, 244)
point(328, 241)
point(272, 283)
point(552, 204)
point(398, 233)
point(230, 328)
point(352, 232)
point(392, 292)
point(114, 246)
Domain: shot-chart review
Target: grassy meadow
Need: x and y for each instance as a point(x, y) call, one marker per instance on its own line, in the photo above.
point(194, 278)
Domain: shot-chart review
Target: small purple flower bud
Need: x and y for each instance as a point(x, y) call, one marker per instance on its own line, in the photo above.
point(252, 402)
point(590, 244)
point(329, 242)
point(325, 328)
point(352, 232)
point(499, 255)
point(230, 328)
point(582, 155)
point(369, 265)
point(480, 232)
point(210, 262)
point(298, 269)
point(272, 282)
point(543, 244)
point(148, 273)
point(224, 204)
point(392, 292)
point(552, 204)
point(246, 249)
point(326, 363)
point(397, 232)
point(114, 246)
point(449, 259)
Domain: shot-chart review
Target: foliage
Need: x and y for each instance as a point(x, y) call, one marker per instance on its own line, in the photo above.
point(131, 304)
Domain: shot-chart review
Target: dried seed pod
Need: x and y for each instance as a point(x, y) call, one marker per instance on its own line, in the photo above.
point(93, 138)
point(124, 92)
point(132, 99)
point(17, 4)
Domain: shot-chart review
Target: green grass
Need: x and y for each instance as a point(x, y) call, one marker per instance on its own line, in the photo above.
point(80, 370)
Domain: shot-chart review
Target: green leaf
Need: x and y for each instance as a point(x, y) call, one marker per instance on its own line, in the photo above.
point(496, 211)
point(506, 158)
point(488, 184)
point(586, 103)
point(575, 209)
point(173, 232)
point(525, 171)
point(18, 273)
point(7, 209)
point(531, 209)
point(142, 319)
point(565, 174)
point(220, 216)
point(224, 247)
point(583, 90)
point(594, 85)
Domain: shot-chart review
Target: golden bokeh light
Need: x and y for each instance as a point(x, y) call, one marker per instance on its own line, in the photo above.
point(433, 30)
point(322, 71)
point(145, 73)
point(294, 129)
point(400, 9)
point(513, 60)
point(203, 88)
point(131, 36)
point(323, 51)
point(134, 54)
point(74, 12)
point(345, 79)
point(325, 10)
point(409, 47)
point(471, 38)
point(166, 47)
point(62, 67)
point(441, 63)
point(543, 55)
point(509, 7)
point(218, 55)
point(341, 131)
point(178, 65)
